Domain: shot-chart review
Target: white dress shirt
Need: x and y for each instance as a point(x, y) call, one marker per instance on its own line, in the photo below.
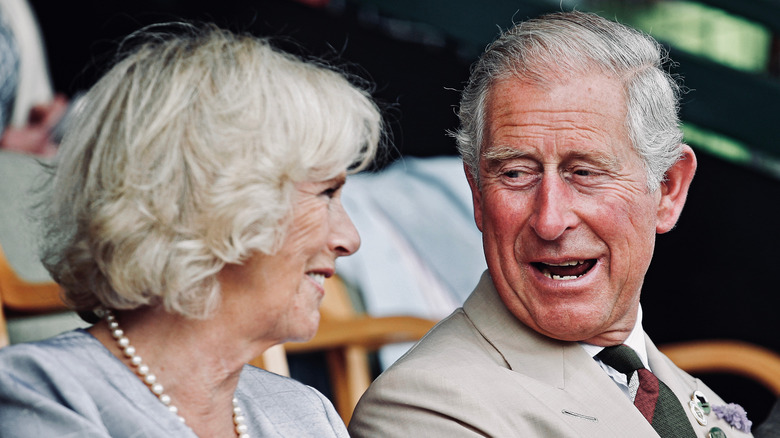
point(635, 340)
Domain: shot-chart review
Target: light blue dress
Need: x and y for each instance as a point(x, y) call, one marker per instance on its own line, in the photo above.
point(72, 386)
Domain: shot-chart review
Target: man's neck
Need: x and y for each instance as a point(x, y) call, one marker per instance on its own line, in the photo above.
point(635, 340)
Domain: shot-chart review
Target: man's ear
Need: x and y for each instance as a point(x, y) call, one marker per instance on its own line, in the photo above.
point(476, 196)
point(674, 190)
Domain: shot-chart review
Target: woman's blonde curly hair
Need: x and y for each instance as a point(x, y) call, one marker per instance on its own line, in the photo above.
point(183, 159)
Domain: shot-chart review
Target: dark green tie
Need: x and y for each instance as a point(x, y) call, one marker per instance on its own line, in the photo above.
point(653, 398)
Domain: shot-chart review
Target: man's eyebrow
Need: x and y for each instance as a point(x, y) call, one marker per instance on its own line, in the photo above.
point(502, 153)
point(498, 154)
point(605, 161)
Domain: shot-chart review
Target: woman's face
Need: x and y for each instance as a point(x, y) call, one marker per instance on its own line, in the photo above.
point(282, 292)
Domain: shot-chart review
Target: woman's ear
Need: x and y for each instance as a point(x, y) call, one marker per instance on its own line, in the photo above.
point(674, 190)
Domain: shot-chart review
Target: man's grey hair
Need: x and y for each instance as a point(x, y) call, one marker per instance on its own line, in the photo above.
point(551, 48)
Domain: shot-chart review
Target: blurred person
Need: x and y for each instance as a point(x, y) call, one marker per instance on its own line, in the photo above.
point(9, 71)
point(194, 214)
point(770, 428)
point(39, 134)
point(570, 138)
point(35, 115)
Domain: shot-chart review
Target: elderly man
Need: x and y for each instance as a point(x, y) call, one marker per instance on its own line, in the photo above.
point(571, 145)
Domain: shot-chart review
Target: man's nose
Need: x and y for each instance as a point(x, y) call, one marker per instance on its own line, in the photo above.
point(553, 213)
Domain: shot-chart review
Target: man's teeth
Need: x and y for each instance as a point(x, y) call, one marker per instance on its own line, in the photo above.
point(318, 278)
point(558, 277)
point(571, 263)
point(546, 272)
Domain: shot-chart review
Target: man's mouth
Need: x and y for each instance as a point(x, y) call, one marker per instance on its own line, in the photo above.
point(570, 270)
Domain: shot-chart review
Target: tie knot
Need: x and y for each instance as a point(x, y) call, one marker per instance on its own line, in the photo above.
point(621, 358)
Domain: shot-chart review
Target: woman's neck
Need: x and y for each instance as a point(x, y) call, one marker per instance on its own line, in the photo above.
point(197, 361)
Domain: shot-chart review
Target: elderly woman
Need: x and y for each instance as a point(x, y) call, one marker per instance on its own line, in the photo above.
point(195, 215)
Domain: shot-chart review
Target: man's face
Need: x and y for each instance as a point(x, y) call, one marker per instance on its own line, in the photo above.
point(568, 223)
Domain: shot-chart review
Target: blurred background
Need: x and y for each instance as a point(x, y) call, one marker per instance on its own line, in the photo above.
point(711, 277)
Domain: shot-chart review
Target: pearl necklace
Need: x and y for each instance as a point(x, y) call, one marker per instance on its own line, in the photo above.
point(150, 379)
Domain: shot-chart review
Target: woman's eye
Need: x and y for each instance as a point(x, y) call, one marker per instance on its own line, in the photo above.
point(330, 193)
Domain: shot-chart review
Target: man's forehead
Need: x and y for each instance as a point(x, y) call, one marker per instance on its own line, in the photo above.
point(579, 116)
point(596, 82)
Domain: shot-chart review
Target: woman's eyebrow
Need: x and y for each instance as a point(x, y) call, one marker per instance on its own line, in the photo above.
point(338, 181)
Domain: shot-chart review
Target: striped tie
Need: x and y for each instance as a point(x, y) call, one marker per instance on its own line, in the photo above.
point(653, 398)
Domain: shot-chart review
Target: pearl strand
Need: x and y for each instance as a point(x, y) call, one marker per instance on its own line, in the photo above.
point(150, 379)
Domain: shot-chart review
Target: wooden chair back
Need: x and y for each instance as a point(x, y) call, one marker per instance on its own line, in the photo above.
point(347, 337)
point(25, 286)
point(17, 294)
point(724, 356)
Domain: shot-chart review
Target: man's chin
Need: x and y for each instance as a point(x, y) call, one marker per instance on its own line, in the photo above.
point(594, 334)
point(581, 331)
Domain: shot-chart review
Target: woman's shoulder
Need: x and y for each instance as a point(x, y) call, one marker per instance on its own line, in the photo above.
point(255, 379)
point(68, 345)
point(71, 360)
point(280, 405)
point(45, 381)
point(71, 385)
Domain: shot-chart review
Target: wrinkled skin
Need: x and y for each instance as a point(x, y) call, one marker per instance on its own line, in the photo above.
point(567, 220)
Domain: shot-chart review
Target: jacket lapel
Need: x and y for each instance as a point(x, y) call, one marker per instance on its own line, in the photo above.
point(561, 375)
point(683, 386)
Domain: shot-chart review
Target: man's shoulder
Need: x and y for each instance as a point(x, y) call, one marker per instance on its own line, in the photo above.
point(453, 342)
point(452, 360)
point(435, 381)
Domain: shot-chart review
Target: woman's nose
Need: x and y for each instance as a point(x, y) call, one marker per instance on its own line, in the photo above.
point(345, 239)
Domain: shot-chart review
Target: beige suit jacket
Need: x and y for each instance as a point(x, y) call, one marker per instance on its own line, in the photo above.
point(480, 372)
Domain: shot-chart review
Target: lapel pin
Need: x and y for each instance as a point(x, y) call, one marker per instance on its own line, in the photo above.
point(700, 407)
point(716, 432)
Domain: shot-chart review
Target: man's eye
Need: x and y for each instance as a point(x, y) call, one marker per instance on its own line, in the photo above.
point(583, 172)
point(512, 174)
